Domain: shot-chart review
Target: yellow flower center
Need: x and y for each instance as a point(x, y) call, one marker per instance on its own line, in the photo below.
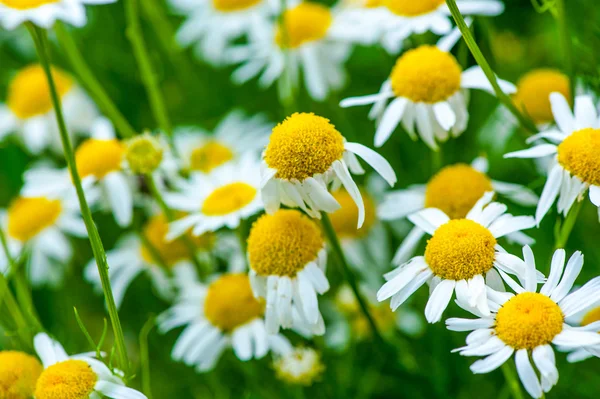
point(529, 320)
point(71, 379)
point(344, 219)
point(228, 199)
point(302, 367)
point(283, 243)
point(230, 303)
point(144, 154)
point(234, 5)
point(412, 8)
point(534, 89)
point(99, 157)
point(580, 155)
point(307, 22)
point(18, 375)
point(29, 93)
point(210, 156)
point(591, 316)
point(302, 146)
point(460, 250)
point(455, 189)
point(26, 4)
point(426, 74)
point(27, 217)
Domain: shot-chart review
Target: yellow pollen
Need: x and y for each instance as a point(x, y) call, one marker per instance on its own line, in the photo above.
point(228, 199)
point(283, 243)
point(28, 92)
point(210, 156)
point(534, 89)
point(412, 8)
point(302, 146)
point(230, 303)
point(18, 375)
point(426, 74)
point(460, 250)
point(144, 154)
point(71, 379)
point(234, 5)
point(27, 217)
point(529, 320)
point(373, 3)
point(344, 219)
point(99, 157)
point(307, 22)
point(580, 155)
point(591, 316)
point(455, 189)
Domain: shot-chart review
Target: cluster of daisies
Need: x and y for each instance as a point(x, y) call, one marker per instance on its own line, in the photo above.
point(237, 221)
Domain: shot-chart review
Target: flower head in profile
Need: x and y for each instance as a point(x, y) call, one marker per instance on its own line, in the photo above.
point(575, 145)
point(19, 373)
point(302, 366)
point(529, 322)
point(305, 155)
point(462, 256)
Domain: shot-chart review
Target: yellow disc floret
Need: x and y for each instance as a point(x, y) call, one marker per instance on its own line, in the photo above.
point(230, 303)
point(307, 22)
point(529, 320)
point(412, 8)
point(344, 219)
point(534, 89)
point(579, 154)
point(302, 146)
point(144, 154)
point(591, 316)
point(210, 156)
point(99, 157)
point(302, 367)
point(229, 199)
point(27, 217)
point(29, 93)
point(426, 75)
point(234, 5)
point(283, 243)
point(455, 189)
point(460, 250)
point(19, 373)
point(71, 379)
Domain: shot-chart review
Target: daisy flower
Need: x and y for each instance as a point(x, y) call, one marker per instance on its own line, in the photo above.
point(28, 111)
point(212, 25)
point(589, 319)
point(302, 366)
point(455, 189)
point(429, 91)
point(221, 199)
point(460, 256)
point(528, 322)
point(287, 257)
point(222, 314)
point(19, 373)
point(575, 146)
point(77, 377)
point(302, 43)
point(304, 156)
point(44, 13)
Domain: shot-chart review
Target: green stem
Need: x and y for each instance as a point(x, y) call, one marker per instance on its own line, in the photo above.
point(512, 381)
point(87, 78)
point(337, 249)
point(145, 356)
point(565, 37)
point(563, 233)
point(41, 42)
point(485, 66)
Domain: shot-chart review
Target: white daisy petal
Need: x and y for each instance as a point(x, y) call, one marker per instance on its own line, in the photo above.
point(527, 374)
point(562, 113)
point(439, 300)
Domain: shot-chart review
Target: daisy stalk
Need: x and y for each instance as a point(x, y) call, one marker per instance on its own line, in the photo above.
point(563, 230)
point(40, 39)
point(512, 381)
point(485, 66)
point(561, 16)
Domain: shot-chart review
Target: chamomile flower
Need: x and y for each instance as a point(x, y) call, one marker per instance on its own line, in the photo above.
point(19, 373)
point(76, 377)
point(304, 156)
point(212, 25)
point(287, 257)
point(302, 366)
point(575, 146)
point(225, 313)
point(28, 111)
point(221, 199)
point(528, 322)
point(455, 189)
point(44, 13)
point(429, 91)
point(589, 320)
point(460, 256)
point(302, 43)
